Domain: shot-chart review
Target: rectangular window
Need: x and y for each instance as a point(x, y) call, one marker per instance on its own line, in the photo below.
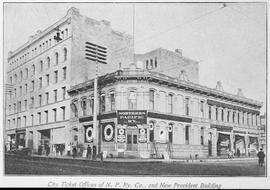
point(40, 99)
point(64, 73)
point(39, 117)
point(55, 95)
point(228, 116)
point(92, 105)
point(15, 93)
point(202, 108)
point(33, 85)
point(40, 82)
point(9, 109)
point(216, 113)
point(222, 115)
point(20, 90)
point(19, 122)
point(132, 100)
point(187, 106)
point(25, 105)
point(46, 116)
point(47, 97)
point(54, 114)
point(48, 79)
point(64, 92)
point(32, 119)
point(202, 136)
point(210, 112)
point(24, 118)
point(170, 103)
point(32, 102)
point(19, 106)
point(152, 99)
point(63, 112)
point(26, 88)
point(187, 134)
point(56, 76)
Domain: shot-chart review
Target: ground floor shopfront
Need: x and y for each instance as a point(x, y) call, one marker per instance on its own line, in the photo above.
point(136, 133)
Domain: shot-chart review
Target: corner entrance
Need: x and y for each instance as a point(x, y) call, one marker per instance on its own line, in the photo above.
point(132, 139)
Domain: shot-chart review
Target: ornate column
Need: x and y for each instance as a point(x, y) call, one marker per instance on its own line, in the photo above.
point(214, 142)
point(232, 141)
point(213, 112)
point(247, 144)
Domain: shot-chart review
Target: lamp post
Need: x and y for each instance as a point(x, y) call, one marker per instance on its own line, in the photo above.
point(97, 54)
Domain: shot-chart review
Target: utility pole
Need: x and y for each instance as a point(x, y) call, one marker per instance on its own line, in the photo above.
point(97, 54)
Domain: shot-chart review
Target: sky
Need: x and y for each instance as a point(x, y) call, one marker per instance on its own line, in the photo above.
point(229, 42)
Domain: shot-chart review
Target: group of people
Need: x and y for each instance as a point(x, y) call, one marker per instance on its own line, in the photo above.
point(91, 153)
point(231, 153)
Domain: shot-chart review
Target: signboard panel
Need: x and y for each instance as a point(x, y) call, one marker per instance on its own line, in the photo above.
point(132, 117)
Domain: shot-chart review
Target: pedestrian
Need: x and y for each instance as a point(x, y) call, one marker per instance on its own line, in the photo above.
point(74, 152)
point(89, 152)
point(94, 152)
point(238, 152)
point(47, 149)
point(68, 149)
point(261, 156)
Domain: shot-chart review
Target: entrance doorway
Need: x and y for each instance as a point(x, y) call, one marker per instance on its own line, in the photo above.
point(132, 139)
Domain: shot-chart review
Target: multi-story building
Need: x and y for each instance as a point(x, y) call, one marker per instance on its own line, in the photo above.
point(263, 132)
point(143, 113)
point(152, 108)
point(40, 72)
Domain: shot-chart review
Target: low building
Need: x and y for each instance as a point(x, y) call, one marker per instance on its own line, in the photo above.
point(143, 113)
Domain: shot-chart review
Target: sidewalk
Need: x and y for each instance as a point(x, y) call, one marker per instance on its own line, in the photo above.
point(187, 160)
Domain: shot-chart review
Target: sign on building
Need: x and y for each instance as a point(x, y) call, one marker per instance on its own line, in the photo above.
point(130, 117)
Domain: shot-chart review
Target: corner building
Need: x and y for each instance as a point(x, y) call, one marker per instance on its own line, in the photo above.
point(40, 72)
point(145, 114)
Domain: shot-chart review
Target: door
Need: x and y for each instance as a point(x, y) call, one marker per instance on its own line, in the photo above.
point(132, 139)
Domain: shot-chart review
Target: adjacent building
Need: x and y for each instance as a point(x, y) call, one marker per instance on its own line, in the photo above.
point(149, 105)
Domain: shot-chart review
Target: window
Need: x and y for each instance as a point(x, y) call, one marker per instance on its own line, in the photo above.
point(47, 97)
point(152, 99)
point(63, 112)
point(155, 62)
point(15, 92)
point(74, 109)
point(209, 112)
point(33, 85)
point(65, 54)
point(132, 100)
point(15, 78)
point(228, 116)
point(64, 73)
point(222, 115)
point(170, 103)
point(238, 117)
point(24, 118)
point(187, 134)
point(40, 99)
point(33, 69)
point(48, 62)
point(21, 76)
point(233, 117)
point(66, 32)
point(92, 104)
point(151, 63)
point(41, 66)
point(9, 109)
point(39, 117)
point(64, 92)
point(48, 79)
point(54, 114)
point(202, 108)
point(25, 105)
point(56, 58)
point(202, 136)
point(187, 106)
point(20, 90)
point(19, 106)
point(248, 119)
point(19, 122)
point(55, 95)
point(112, 101)
point(83, 105)
point(147, 66)
point(26, 73)
point(8, 123)
point(26, 88)
point(32, 102)
point(32, 119)
point(103, 103)
point(10, 80)
point(55, 76)
point(216, 113)
point(40, 82)
point(46, 116)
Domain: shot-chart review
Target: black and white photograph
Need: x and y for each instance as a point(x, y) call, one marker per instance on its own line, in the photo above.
point(135, 95)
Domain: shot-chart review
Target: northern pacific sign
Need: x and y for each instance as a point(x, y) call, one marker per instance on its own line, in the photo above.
point(131, 117)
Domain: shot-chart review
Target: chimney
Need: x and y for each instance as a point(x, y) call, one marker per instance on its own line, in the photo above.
point(240, 92)
point(179, 51)
point(219, 86)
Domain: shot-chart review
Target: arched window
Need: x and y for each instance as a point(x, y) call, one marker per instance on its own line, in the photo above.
point(152, 99)
point(202, 135)
point(92, 105)
point(65, 54)
point(26, 73)
point(56, 58)
point(132, 100)
point(15, 78)
point(112, 100)
point(103, 103)
point(48, 62)
point(74, 109)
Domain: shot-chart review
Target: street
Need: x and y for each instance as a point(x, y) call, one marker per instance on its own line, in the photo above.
point(20, 165)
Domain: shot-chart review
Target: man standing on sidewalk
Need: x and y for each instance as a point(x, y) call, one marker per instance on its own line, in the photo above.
point(261, 156)
point(89, 152)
